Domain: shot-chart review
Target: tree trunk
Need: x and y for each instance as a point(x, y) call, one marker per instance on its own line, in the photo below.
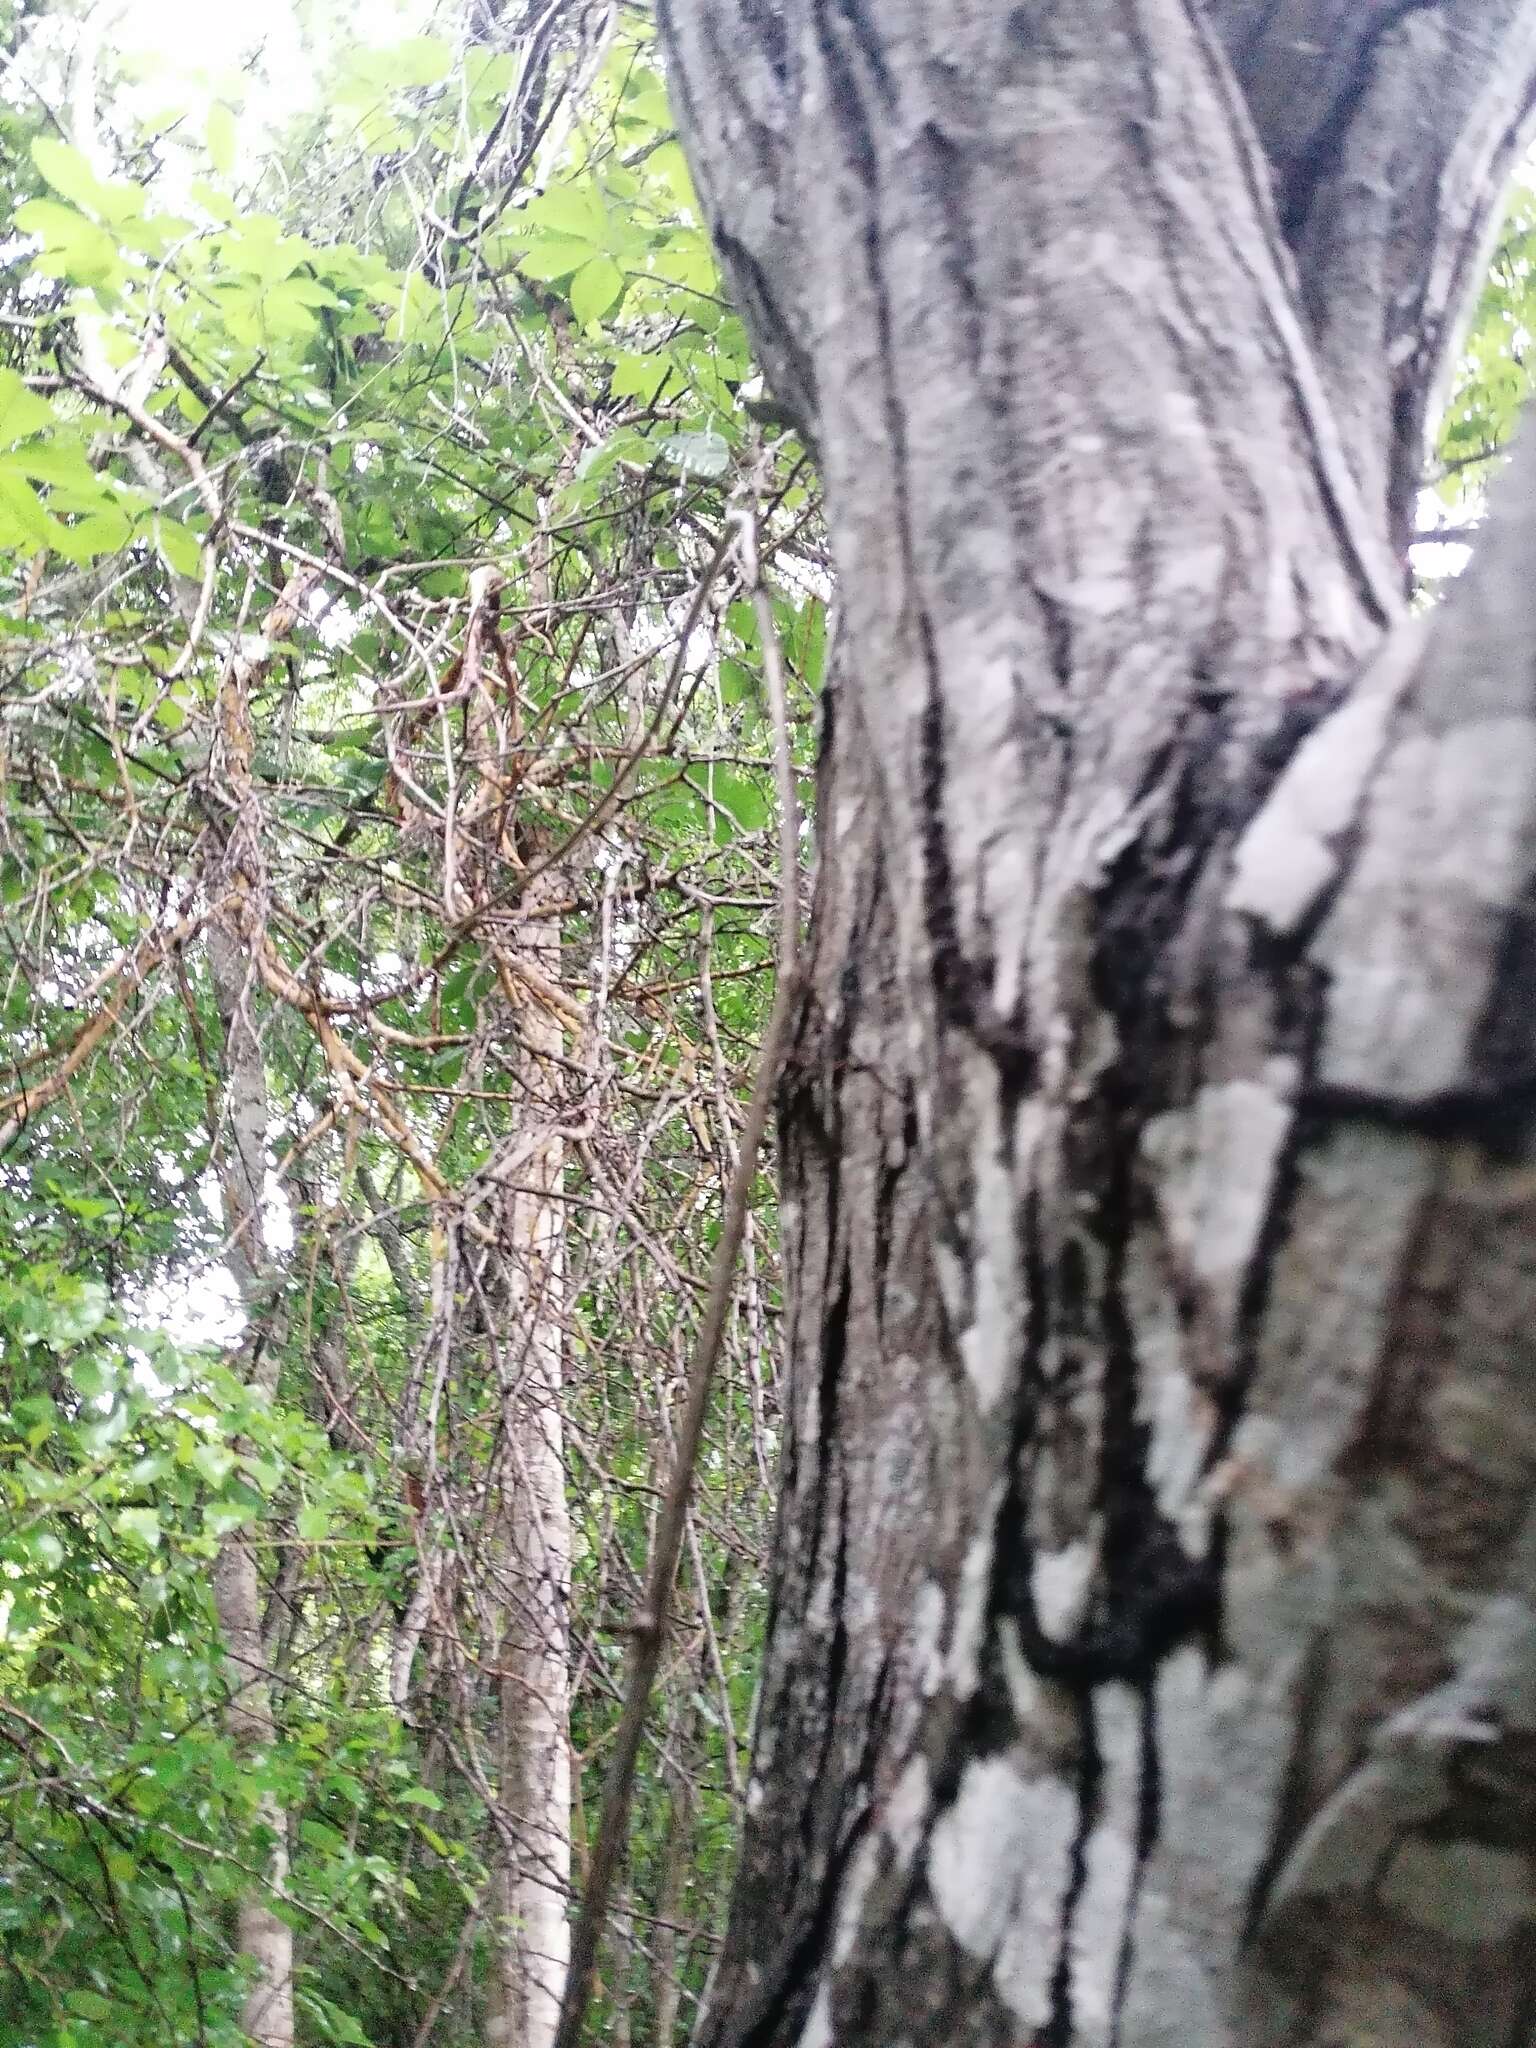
point(235, 933)
point(1153, 1646)
point(531, 1879)
point(264, 1939)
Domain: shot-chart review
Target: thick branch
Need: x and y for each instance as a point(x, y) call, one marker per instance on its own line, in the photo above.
point(1391, 127)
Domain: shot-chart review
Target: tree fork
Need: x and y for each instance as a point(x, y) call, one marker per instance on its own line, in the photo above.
point(1152, 1650)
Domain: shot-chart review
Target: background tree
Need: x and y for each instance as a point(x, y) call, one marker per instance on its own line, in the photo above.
point(389, 868)
point(1153, 1650)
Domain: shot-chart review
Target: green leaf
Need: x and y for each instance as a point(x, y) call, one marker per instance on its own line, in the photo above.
point(569, 210)
point(647, 101)
point(639, 376)
point(214, 1462)
point(550, 259)
point(142, 1525)
point(737, 683)
point(224, 1516)
point(79, 1308)
point(21, 411)
point(284, 315)
point(807, 642)
point(670, 166)
point(309, 291)
point(686, 260)
point(66, 169)
point(179, 546)
point(100, 1435)
point(89, 1376)
point(70, 174)
point(91, 2006)
point(490, 72)
point(314, 1521)
point(24, 522)
point(76, 485)
point(216, 204)
point(706, 454)
point(262, 1472)
point(46, 1548)
point(73, 247)
point(344, 2028)
point(256, 247)
point(97, 533)
point(594, 288)
point(35, 1418)
point(746, 803)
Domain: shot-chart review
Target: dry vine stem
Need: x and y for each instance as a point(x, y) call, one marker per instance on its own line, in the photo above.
point(649, 1629)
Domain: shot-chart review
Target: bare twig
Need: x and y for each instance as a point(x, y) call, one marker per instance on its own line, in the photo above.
point(649, 1630)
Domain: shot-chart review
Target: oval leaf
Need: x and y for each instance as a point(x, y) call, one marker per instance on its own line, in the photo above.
point(594, 289)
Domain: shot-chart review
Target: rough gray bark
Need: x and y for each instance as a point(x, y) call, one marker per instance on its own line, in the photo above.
point(1154, 1624)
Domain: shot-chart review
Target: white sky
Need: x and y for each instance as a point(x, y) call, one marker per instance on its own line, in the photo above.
point(203, 38)
point(182, 55)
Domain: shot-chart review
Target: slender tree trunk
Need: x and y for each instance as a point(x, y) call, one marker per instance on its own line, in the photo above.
point(530, 1933)
point(263, 1937)
point(667, 1952)
point(669, 1904)
point(1153, 1646)
point(236, 929)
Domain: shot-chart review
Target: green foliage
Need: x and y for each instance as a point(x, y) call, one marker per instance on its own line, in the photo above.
point(440, 330)
point(1494, 377)
point(127, 1463)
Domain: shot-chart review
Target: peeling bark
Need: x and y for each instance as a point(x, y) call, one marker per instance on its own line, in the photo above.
point(1153, 1646)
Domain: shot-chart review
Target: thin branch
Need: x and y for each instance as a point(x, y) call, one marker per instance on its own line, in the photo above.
point(650, 1626)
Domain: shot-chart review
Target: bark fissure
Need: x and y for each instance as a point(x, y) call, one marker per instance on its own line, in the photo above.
point(1058, 2032)
point(1136, 1052)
